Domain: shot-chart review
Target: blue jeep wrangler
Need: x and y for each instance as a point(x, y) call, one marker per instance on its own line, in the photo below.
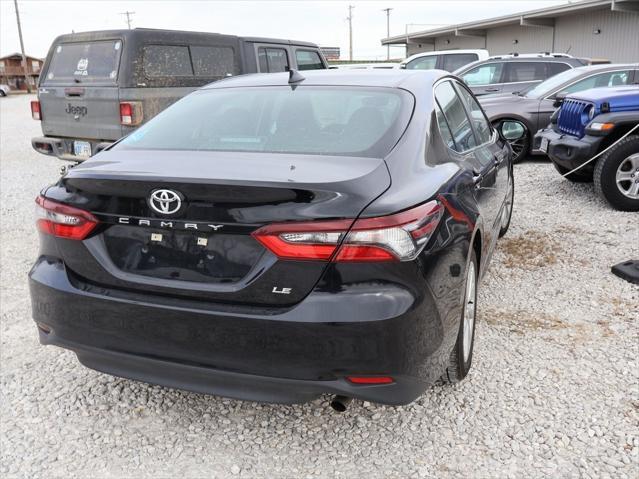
point(586, 124)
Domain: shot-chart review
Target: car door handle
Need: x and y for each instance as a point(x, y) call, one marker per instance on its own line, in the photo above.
point(491, 89)
point(477, 179)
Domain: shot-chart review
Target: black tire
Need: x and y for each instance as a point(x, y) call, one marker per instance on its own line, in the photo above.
point(507, 213)
point(521, 147)
point(2, 93)
point(577, 177)
point(458, 368)
point(606, 173)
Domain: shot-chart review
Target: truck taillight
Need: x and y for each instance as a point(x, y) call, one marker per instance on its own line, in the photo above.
point(35, 110)
point(398, 237)
point(131, 113)
point(63, 221)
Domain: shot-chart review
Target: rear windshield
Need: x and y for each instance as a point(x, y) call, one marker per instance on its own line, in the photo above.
point(89, 62)
point(356, 121)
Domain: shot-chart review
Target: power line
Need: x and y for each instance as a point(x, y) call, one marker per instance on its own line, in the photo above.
point(387, 10)
point(24, 57)
point(350, 32)
point(128, 17)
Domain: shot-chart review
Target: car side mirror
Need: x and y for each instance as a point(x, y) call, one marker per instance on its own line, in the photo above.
point(559, 99)
point(101, 146)
point(511, 130)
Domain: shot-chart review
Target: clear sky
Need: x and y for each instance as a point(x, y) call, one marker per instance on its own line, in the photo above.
point(323, 22)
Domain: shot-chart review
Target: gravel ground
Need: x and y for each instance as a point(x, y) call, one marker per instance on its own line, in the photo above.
point(554, 391)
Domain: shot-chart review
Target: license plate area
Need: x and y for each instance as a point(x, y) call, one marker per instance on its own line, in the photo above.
point(82, 148)
point(202, 257)
point(544, 145)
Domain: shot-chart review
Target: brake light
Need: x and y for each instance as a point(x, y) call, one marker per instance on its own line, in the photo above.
point(131, 113)
point(370, 379)
point(397, 237)
point(35, 110)
point(63, 221)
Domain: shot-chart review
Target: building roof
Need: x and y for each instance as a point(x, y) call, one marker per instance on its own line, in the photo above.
point(19, 55)
point(533, 18)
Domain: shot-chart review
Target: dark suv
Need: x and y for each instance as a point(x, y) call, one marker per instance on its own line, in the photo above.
point(599, 125)
point(96, 87)
point(514, 73)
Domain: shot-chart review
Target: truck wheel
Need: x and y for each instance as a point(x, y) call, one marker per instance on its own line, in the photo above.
point(521, 146)
point(617, 175)
point(462, 355)
point(577, 177)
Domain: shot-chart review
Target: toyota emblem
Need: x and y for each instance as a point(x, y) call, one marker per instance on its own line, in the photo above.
point(165, 202)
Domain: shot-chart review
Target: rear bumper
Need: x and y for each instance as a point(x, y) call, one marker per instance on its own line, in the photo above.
point(290, 357)
point(61, 147)
point(568, 151)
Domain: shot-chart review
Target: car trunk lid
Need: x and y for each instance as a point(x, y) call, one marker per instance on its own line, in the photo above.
point(204, 249)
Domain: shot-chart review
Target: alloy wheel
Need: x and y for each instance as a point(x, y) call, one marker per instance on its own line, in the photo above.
point(469, 310)
point(508, 206)
point(627, 177)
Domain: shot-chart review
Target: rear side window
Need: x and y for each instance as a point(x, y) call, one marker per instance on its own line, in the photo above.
point(525, 71)
point(453, 61)
point(308, 60)
point(423, 63)
point(167, 60)
point(443, 128)
point(89, 62)
point(484, 75)
point(601, 80)
point(482, 128)
point(554, 68)
point(456, 118)
point(272, 60)
point(213, 61)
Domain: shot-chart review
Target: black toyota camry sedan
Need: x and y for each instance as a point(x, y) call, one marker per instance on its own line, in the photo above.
point(276, 237)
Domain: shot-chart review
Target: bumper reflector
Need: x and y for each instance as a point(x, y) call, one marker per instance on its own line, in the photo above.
point(370, 379)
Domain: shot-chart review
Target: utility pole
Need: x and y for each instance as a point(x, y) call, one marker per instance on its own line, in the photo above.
point(128, 17)
point(350, 32)
point(387, 10)
point(24, 57)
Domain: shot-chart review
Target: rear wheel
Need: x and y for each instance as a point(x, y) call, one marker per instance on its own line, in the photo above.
point(617, 175)
point(462, 355)
point(2, 93)
point(576, 177)
point(520, 146)
point(507, 210)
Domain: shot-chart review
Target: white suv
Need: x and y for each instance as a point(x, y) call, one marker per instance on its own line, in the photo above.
point(449, 60)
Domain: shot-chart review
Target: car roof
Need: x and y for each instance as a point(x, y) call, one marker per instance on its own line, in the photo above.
point(587, 69)
point(391, 78)
point(154, 33)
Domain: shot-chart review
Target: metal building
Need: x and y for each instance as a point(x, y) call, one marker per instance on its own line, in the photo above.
point(591, 29)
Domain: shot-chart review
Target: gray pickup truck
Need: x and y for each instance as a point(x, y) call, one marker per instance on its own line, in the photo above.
point(96, 87)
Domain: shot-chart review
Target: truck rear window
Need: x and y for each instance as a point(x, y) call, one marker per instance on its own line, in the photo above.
point(88, 62)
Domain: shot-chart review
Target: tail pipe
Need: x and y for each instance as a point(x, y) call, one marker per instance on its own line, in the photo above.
point(340, 403)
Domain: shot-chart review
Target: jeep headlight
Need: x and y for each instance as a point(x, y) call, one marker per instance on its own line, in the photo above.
point(591, 112)
point(601, 126)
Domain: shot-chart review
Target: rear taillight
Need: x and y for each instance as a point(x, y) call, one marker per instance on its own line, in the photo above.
point(131, 113)
point(63, 221)
point(35, 110)
point(397, 237)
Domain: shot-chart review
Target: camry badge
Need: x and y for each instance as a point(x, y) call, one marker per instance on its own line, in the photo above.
point(165, 202)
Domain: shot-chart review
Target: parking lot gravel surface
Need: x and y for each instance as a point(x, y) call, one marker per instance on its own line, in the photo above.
point(554, 389)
